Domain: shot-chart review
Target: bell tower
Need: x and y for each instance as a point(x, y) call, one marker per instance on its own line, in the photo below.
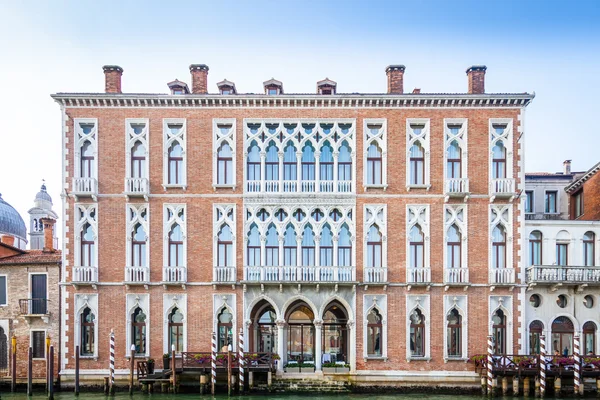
point(42, 208)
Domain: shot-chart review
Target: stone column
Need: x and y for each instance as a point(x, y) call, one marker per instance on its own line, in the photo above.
point(263, 159)
point(352, 344)
point(317, 171)
point(318, 344)
point(336, 178)
point(280, 345)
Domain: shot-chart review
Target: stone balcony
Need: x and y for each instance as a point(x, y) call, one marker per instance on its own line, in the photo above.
point(558, 275)
point(502, 188)
point(85, 187)
point(502, 276)
point(456, 276)
point(85, 275)
point(299, 186)
point(293, 274)
point(174, 275)
point(375, 275)
point(137, 275)
point(224, 274)
point(418, 276)
point(137, 187)
point(456, 187)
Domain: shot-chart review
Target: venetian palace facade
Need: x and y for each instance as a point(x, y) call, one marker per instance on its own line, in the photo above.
point(378, 230)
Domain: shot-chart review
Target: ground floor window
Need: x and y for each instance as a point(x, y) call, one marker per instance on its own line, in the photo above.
point(562, 336)
point(535, 331)
point(176, 330)
point(38, 344)
point(374, 331)
point(225, 330)
point(589, 338)
point(301, 334)
point(499, 332)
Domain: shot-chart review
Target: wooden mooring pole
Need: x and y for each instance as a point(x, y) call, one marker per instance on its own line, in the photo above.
point(76, 370)
point(229, 370)
point(30, 372)
point(51, 382)
point(213, 364)
point(13, 381)
point(131, 367)
point(174, 366)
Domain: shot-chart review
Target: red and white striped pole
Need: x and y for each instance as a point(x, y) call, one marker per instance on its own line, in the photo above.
point(112, 362)
point(213, 364)
point(542, 365)
point(490, 365)
point(241, 360)
point(577, 374)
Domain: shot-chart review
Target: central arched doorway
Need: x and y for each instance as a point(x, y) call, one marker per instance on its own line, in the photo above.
point(335, 333)
point(264, 328)
point(301, 333)
point(562, 336)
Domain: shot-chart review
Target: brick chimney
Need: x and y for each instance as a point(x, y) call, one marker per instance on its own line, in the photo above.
point(112, 78)
point(476, 78)
point(567, 167)
point(8, 239)
point(395, 79)
point(48, 235)
point(199, 78)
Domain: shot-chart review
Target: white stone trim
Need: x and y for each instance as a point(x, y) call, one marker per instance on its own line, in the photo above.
point(168, 223)
point(461, 304)
point(218, 139)
point(81, 301)
point(79, 139)
point(505, 304)
point(131, 139)
point(420, 301)
point(423, 139)
point(227, 217)
point(171, 300)
point(375, 214)
point(379, 302)
point(134, 216)
point(462, 140)
point(134, 300)
point(456, 214)
point(227, 300)
point(507, 139)
point(501, 214)
point(380, 140)
point(85, 213)
point(168, 139)
point(418, 214)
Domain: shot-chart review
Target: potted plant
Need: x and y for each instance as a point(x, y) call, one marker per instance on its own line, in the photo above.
point(166, 361)
point(329, 367)
point(292, 367)
point(342, 368)
point(150, 364)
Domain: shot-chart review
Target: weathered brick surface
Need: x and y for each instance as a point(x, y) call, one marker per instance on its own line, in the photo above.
point(591, 200)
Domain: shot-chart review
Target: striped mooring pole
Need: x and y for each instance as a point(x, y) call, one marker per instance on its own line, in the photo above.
point(112, 362)
point(542, 365)
point(213, 364)
point(577, 374)
point(241, 360)
point(490, 365)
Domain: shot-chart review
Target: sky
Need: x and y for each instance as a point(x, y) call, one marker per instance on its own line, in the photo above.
point(551, 48)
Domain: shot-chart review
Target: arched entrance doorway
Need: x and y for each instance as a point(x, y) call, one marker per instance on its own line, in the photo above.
point(335, 333)
point(264, 329)
point(562, 336)
point(301, 333)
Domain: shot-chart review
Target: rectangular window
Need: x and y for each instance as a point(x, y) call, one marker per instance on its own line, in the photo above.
point(417, 147)
point(551, 198)
point(224, 152)
point(3, 291)
point(578, 204)
point(174, 136)
point(562, 253)
point(38, 344)
point(529, 201)
point(39, 294)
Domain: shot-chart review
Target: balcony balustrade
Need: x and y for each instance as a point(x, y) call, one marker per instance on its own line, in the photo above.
point(33, 306)
point(83, 275)
point(303, 186)
point(556, 274)
point(299, 274)
point(502, 276)
point(224, 274)
point(176, 275)
point(456, 187)
point(137, 187)
point(502, 187)
point(83, 187)
point(418, 276)
point(375, 275)
point(456, 276)
point(139, 275)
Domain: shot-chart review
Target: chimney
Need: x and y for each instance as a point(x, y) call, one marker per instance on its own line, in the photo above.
point(48, 235)
point(112, 78)
point(8, 239)
point(476, 78)
point(395, 79)
point(416, 91)
point(567, 167)
point(199, 78)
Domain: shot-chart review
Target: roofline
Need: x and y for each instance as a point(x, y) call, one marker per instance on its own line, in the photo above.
point(310, 100)
point(4, 262)
point(579, 182)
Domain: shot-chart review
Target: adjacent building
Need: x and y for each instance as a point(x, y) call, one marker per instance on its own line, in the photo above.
point(378, 230)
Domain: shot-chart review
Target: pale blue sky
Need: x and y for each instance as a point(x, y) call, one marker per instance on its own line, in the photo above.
point(550, 47)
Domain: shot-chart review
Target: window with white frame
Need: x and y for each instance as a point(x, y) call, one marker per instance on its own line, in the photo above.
point(137, 151)
point(501, 148)
point(86, 148)
point(299, 155)
point(417, 243)
point(375, 326)
point(456, 327)
point(38, 344)
point(138, 249)
point(375, 157)
point(417, 327)
point(224, 234)
point(86, 228)
point(455, 134)
point(138, 324)
point(417, 153)
point(455, 260)
point(175, 243)
point(224, 152)
point(174, 161)
point(500, 253)
point(529, 205)
point(589, 253)
point(86, 324)
point(551, 201)
point(375, 228)
point(175, 328)
point(535, 248)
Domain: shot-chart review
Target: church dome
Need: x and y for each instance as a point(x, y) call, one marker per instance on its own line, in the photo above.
point(11, 222)
point(43, 195)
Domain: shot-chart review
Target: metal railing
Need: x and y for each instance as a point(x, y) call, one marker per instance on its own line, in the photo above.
point(224, 274)
point(299, 274)
point(139, 186)
point(33, 306)
point(137, 274)
point(456, 275)
point(85, 275)
point(457, 185)
point(175, 274)
point(375, 275)
point(418, 275)
point(502, 276)
point(85, 186)
point(502, 186)
point(553, 274)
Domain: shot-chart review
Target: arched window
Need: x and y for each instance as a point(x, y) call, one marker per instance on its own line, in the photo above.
point(88, 246)
point(290, 247)
point(87, 160)
point(326, 163)
point(225, 247)
point(499, 161)
point(138, 160)
point(290, 168)
point(453, 247)
point(138, 246)
point(535, 248)
point(374, 333)
point(266, 329)
point(254, 247)
point(344, 247)
point(138, 330)
point(308, 247)
point(499, 247)
point(308, 163)
point(499, 332)
point(374, 165)
point(301, 333)
point(454, 332)
point(416, 247)
point(272, 247)
point(88, 322)
point(224, 164)
point(374, 247)
point(344, 163)
point(562, 336)
point(588, 249)
point(417, 334)
point(453, 166)
point(326, 247)
point(176, 330)
point(589, 338)
point(335, 332)
point(253, 163)
point(175, 164)
point(272, 163)
point(224, 329)
point(536, 329)
point(417, 164)
point(176, 247)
